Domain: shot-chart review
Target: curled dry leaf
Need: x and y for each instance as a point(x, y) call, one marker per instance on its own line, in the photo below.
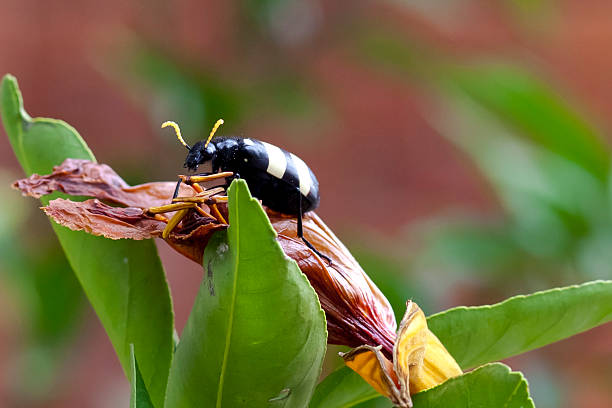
point(358, 315)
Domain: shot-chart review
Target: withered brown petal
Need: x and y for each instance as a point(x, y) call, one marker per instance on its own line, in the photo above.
point(192, 244)
point(85, 178)
point(101, 219)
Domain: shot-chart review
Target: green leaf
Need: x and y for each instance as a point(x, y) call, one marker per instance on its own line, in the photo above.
point(477, 335)
point(52, 305)
point(124, 280)
point(139, 396)
point(490, 386)
point(553, 203)
point(378, 402)
point(256, 335)
point(534, 109)
point(343, 388)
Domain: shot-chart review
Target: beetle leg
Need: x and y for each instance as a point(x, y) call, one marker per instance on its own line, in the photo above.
point(197, 188)
point(221, 187)
point(300, 232)
point(215, 190)
point(202, 197)
point(198, 178)
point(176, 190)
point(202, 179)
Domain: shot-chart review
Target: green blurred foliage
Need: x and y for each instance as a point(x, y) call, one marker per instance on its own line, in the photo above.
point(533, 110)
point(48, 297)
point(552, 181)
point(196, 95)
point(547, 164)
point(189, 95)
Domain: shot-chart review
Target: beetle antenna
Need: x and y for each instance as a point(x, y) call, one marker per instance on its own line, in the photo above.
point(178, 132)
point(212, 132)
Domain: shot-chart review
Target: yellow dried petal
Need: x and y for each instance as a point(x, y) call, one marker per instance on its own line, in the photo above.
point(377, 370)
point(409, 348)
point(365, 362)
point(438, 366)
point(420, 359)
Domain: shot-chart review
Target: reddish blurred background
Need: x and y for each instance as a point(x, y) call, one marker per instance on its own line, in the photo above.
point(357, 89)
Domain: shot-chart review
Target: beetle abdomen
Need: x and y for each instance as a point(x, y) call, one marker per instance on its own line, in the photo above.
point(274, 175)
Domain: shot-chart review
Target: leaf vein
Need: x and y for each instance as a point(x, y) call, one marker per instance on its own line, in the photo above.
point(513, 393)
point(232, 307)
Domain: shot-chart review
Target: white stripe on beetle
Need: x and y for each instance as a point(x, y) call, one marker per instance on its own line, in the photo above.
point(277, 162)
point(303, 174)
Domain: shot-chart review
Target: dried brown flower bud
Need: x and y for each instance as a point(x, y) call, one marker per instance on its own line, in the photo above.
point(356, 310)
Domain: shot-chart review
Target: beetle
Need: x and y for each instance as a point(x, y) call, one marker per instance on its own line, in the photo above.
point(281, 180)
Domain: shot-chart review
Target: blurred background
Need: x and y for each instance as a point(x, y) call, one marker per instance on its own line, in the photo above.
point(462, 148)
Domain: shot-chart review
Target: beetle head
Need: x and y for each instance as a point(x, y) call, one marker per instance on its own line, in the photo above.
point(200, 153)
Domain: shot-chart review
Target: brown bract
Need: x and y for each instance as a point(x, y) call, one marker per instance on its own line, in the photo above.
point(358, 315)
